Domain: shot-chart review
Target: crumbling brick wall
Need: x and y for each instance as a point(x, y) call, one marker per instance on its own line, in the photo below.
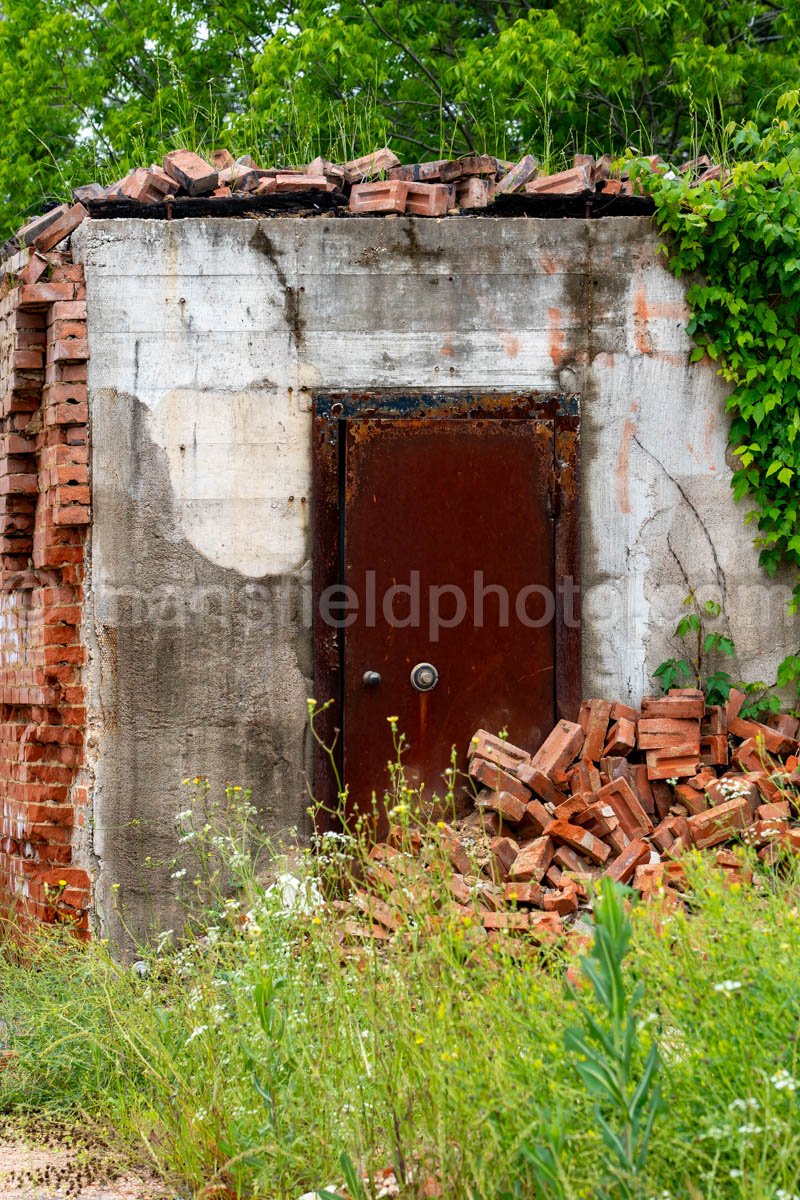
point(44, 514)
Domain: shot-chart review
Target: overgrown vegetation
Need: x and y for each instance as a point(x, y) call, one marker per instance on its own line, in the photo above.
point(741, 234)
point(703, 652)
point(264, 1056)
point(91, 88)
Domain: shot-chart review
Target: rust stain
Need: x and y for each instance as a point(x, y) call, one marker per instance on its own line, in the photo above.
point(641, 315)
point(549, 264)
point(604, 361)
point(555, 336)
point(448, 350)
point(708, 439)
point(623, 463)
point(670, 309)
point(510, 344)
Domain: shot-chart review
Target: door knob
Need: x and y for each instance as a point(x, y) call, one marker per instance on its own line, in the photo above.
point(424, 676)
point(371, 678)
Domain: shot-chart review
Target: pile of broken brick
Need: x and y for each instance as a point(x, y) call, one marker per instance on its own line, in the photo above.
point(622, 793)
point(375, 183)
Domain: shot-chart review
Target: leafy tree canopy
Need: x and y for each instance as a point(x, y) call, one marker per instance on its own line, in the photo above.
point(88, 89)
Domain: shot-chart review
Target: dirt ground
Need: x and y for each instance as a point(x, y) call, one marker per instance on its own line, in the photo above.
point(45, 1160)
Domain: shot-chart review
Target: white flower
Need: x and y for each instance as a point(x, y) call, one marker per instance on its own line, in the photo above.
point(186, 815)
point(750, 1102)
point(178, 874)
point(727, 985)
point(745, 1129)
point(782, 1079)
point(782, 1194)
point(195, 1034)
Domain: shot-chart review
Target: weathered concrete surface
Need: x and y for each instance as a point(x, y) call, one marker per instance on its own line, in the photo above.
point(206, 338)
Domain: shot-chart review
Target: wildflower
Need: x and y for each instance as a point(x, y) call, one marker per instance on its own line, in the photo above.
point(187, 813)
point(727, 985)
point(783, 1080)
point(179, 874)
point(196, 1034)
point(419, 1039)
point(750, 1102)
point(748, 1129)
point(316, 920)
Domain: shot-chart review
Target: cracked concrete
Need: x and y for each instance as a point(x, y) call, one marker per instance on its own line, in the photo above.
point(207, 338)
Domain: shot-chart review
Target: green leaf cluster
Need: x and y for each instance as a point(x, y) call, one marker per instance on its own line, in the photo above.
point(91, 87)
point(738, 241)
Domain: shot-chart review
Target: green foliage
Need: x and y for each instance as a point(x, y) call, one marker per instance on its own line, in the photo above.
point(742, 235)
point(627, 1093)
point(91, 88)
point(609, 1059)
point(701, 663)
point(264, 1057)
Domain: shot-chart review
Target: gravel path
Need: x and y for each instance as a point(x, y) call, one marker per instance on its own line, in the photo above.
point(43, 1160)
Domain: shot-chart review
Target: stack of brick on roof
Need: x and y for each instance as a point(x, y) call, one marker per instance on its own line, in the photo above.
point(376, 183)
point(621, 793)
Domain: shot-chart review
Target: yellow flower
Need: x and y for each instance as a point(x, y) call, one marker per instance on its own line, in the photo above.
point(316, 920)
point(391, 719)
point(419, 1039)
point(62, 883)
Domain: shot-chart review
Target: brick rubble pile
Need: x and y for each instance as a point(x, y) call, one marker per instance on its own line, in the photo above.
point(621, 793)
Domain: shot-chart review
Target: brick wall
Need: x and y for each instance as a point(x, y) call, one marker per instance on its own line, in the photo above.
point(44, 513)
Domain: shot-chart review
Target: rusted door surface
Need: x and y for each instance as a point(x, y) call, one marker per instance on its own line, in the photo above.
point(447, 556)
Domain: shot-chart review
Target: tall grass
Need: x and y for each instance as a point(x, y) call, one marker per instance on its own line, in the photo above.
point(271, 1047)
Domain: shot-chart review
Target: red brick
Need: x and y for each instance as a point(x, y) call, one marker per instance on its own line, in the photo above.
point(594, 718)
point(718, 824)
point(370, 165)
point(575, 182)
point(190, 171)
point(621, 738)
point(498, 751)
point(524, 893)
point(389, 196)
point(635, 855)
point(519, 175)
point(622, 799)
point(673, 706)
point(62, 228)
point(70, 350)
point(428, 199)
point(508, 806)
point(498, 780)
point(560, 748)
point(532, 861)
point(580, 840)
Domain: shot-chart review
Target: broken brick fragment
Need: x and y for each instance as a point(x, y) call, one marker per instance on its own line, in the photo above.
point(191, 172)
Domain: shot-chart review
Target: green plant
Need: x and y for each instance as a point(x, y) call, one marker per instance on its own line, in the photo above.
point(701, 664)
point(269, 1052)
point(692, 668)
point(741, 235)
point(608, 1046)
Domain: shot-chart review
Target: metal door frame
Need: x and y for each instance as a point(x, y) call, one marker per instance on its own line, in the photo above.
point(330, 412)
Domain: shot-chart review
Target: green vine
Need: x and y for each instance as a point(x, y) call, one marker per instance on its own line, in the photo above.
point(741, 233)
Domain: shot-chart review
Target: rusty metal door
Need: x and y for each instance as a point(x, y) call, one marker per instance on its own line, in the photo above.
point(443, 608)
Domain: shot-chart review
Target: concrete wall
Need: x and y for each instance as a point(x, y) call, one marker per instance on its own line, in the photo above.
point(206, 338)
